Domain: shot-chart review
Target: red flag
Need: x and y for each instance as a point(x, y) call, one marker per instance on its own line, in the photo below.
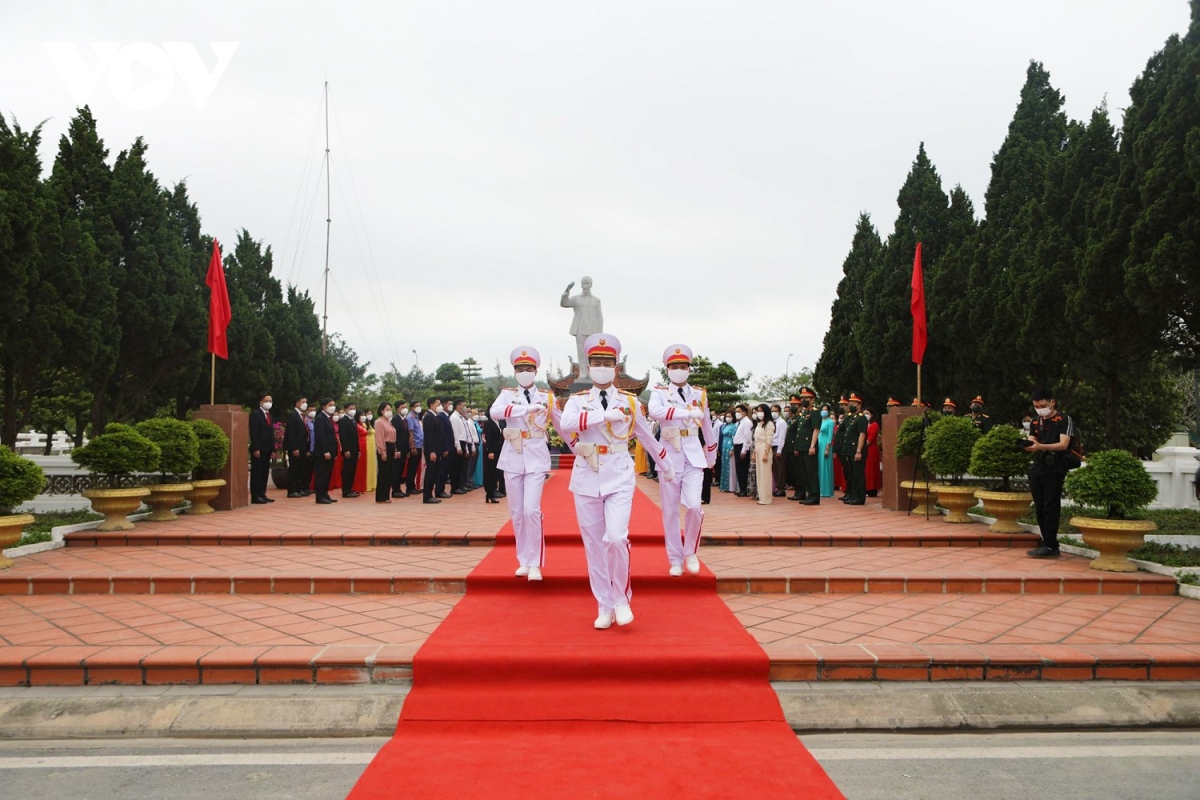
point(920, 330)
point(219, 312)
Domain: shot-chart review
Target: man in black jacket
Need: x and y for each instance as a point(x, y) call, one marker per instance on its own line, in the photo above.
point(403, 450)
point(489, 451)
point(436, 450)
point(443, 417)
point(295, 442)
point(326, 449)
point(262, 444)
point(348, 435)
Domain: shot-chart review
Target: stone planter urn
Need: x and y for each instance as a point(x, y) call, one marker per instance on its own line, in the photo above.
point(201, 493)
point(957, 500)
point(1006, 508)
point(1114, 538)
point(116, 505)
point(164, 497)
point(10, 533)
point(918, 491)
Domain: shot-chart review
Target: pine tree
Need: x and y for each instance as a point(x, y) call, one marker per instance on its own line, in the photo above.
point(840, 364)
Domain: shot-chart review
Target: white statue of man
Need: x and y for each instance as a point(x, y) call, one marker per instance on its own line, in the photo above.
point(588, 319)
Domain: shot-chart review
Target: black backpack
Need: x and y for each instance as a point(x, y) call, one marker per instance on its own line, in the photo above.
point(1073, 456)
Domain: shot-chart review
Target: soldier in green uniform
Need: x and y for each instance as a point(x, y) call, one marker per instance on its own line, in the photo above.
point(806, 443)
point(791, 451)
point(854, 449)
point(981, 421)
point(839, 439)
point(949, 408)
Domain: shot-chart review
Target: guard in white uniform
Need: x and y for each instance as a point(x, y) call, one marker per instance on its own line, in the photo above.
point(681, 411)
point(525, 458)
point(603, 418)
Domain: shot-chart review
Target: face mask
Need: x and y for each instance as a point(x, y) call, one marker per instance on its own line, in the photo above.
point(416, 409)
point(853, 409)
point(351, 413)
point(367, 418)
point(824, 413)
point(312, 414)
point(337, 417)
point(774, 415)
point(787, 414)
point(526, 379)
point(267, 406)
point(678, 376)
point(805, 403)
point(329, 410)
point(946, 412)
point(387, 414)
point(977, 409)
point(1025, 425)
point(403, 413)
point(304, 406)
point(739, 416)
point(758, 415)
point(603, 375)
point(868, 416)
point(1044, 412)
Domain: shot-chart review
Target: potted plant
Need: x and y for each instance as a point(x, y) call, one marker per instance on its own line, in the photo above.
point(279, 465)
point(908, 445)
point(179, 452)
point(20, 480)
point(214, 454)
point(997, 455)
point(1114, 485)
point(948, 446)
point(119, 451)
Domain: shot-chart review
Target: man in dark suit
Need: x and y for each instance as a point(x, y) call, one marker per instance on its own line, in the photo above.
point(443, 417)
point(403, 449)
point(493, 443)
point(348, 435)
point(436, 450)
point(262, 444)
point(326, 449)
point(295, 442)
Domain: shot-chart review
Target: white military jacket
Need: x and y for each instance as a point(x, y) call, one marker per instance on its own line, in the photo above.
point(526, 448)
point(603, 464)
point(680, 433)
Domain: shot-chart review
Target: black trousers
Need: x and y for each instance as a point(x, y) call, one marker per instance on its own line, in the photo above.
point(296, 472)
point(383, 480)
point(458, 468)
point(1046, 488)
point(742, 465)
point(306, 478)
point(433, 476)
point(349, 464)
point(847, 462)
point(322, 472)
point(856, 482)
point(260, 468)
point(794, 468)
point(410, 472)
point(706, 486)
point(491, 476)
point(810, 471)
point(399, 464)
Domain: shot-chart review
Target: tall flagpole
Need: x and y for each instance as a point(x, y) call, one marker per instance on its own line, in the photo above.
point(325, 313)
point(212, 389)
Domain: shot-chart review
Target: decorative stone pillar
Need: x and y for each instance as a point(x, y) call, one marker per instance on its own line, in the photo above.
point(236, 423)
point(895, 469)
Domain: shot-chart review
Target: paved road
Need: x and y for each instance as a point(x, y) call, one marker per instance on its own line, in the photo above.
point(1111, 765)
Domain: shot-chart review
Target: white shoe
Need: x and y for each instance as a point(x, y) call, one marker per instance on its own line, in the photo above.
point(624, 615)
point(522, 572)
point(535, 574)
point(675, 571)
point(693, 564)
point(603, 622)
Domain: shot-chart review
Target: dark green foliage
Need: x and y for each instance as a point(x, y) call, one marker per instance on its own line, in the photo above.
point(1113, 482)
point(908, 438)
point(948, 446)
point(725, 388)
point(118, 452)
point(45, 521)
point(996, 455)
point(213, 445)
point(20, 479)
point(179, 447)
point(840, 364)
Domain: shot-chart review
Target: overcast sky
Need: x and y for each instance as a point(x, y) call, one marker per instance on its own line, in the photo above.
point(704, 162)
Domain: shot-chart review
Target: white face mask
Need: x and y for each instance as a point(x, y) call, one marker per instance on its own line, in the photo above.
point(758, 415)
point(678, 376)
point(403, 413)
point(730, 419)
point(329, 410)
point(1025, 425)
point(337, 417)
point(416, 409)
point(351, 413)
point(868, 416)
point(312, 414)
point(387, 414)
point(739, 416)
point(367, 418)
point(267, 406)
point(787, 414)
point(526, 379)
point(1044, 412)
point(602, 375)
point(304, 406)
point(774, 415)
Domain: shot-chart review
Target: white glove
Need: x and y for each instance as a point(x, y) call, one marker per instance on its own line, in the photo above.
point(536, 408)
point(696, 413)
point(614, 415)
point(669, 475)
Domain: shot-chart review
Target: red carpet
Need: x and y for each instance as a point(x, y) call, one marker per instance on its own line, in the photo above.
point(515, 695)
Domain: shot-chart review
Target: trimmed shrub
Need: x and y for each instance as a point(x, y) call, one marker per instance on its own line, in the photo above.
point(214, 445)
point(948, 445)
point(996, 455)
point(908, 438)
point(179, 448)
point(118, 451)
point(20, 480)
point(1112, 482)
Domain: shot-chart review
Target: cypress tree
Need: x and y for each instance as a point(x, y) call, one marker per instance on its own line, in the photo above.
point(840, 364)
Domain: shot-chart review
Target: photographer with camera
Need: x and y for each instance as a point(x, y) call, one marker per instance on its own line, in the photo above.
point(1049, 438)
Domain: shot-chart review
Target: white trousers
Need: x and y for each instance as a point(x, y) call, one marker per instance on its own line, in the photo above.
point(524, 491)
point(685, 488)
point(604, 524)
